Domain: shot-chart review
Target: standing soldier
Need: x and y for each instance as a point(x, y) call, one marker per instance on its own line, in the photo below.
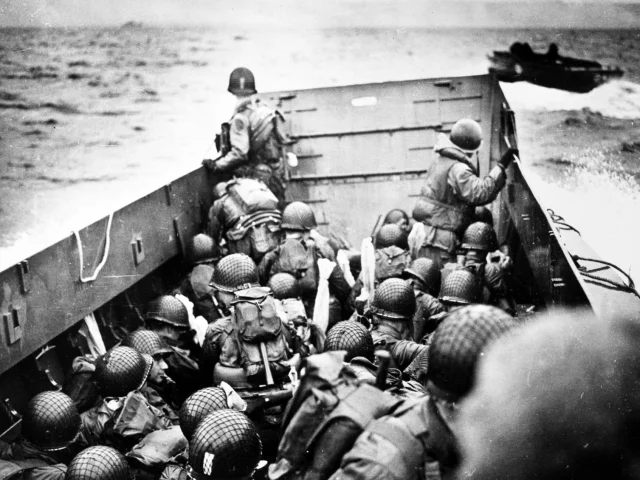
point(254, 139)
point(451, 192)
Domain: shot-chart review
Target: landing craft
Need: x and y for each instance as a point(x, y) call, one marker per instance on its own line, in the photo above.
point(362, 150)
point(549, 69)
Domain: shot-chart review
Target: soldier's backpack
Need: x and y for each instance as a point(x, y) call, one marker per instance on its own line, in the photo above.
point(252, 195)
point(391, 262)
point(260, 335)
point(328, 412)
point(300, 261)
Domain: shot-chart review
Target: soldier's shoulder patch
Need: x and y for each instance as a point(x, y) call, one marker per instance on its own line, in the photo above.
point(239, 123)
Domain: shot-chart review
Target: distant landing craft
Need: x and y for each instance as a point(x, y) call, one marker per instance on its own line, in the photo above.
point(550, 69)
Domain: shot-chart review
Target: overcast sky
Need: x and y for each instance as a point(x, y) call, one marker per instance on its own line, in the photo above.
point(323, 13)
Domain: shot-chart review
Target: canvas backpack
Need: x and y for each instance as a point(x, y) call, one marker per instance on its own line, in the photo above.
point(259, 330)
point(252, 195)
point(391, 262)
point(299, 261)
point(328, 412)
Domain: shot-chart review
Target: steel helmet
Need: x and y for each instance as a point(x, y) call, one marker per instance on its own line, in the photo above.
point(235, 272)
point(225, 445)
point(284, 285)
point(425, 270)
point(391, 234)
point(202, 248)
point(51, 421)
point(122, 370)
point(479, 236)
point(168, 309)
point(395, 215)
point(200, 404)
point(298, 216)
point(483, 214)
point(394, 299)
point(352, 337)
point(460, 287)
point(457, 345)
point(241, 82)
point(147, 341)
point(467, 135)
point(99, 463)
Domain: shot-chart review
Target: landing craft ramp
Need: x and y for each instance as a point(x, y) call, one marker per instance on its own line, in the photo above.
point(363, 150)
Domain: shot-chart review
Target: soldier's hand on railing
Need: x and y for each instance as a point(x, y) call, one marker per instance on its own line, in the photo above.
point(211, 165)
point(508, 157)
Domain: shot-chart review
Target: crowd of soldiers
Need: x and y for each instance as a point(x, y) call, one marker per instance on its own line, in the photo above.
point(287, 354)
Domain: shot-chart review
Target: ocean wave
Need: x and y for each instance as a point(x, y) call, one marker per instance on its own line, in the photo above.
point(617, 99)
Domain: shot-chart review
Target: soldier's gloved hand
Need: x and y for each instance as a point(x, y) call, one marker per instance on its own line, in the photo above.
point(508, 157)
point(211, 165)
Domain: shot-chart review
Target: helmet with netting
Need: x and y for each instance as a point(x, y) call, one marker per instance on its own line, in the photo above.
point(99, 463)
point(51, 421)
point(200, 404)
point(225, 444)
point(284, 285)
point(425, 270)
point(394, 299)
point(460, 287)
point(298, 216)
point(235, 272)
point(391, 234)
point(202, 248)
point(122, 370)
point(242, 82)
point(168, 309)
point(147, 341)
point(479, 236)
point(466, 134)
point(352, 337)
point(458, 343)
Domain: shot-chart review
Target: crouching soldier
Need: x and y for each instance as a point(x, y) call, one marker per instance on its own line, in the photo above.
point(392, 309)
point(225, 445)
point(49, 439)
point(298, 255)
point(424, 277)
point(169, 318)
point(417, 440)
point(478, 242)
point(125, 414)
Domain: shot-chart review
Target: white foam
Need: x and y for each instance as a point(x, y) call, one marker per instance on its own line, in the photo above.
point(616, 99)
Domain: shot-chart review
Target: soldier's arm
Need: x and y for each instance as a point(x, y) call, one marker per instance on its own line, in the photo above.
point(404, 351)
point(494, 280)
point(216, 222)
point(240, 144)
point(211, 349)
point(473, 189)
point(264, 267)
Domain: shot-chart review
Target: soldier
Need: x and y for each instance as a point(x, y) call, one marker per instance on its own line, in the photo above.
point(255, 140)
point(150, 343)
point(234, 272)
point(424, 277)
point(298, 255)
point(451, 192)
point(202, 253)
point(169, 318)
point(99, 463)
point(557, 400)
point(198, 406)
point(225, 445)
point(478, 241)
point(245, 217)
point(392, 309)
point(49, 438)
point(460, 287)
point(418, 439)
point(129, 409)
point(352, 337)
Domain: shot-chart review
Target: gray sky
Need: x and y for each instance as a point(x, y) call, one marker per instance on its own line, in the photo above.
point(324, 13)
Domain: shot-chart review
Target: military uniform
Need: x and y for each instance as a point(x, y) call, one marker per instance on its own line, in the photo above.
point(255, 140)
point(425, 319)
point(397, 341)
point(447, 203)
point(34, 463)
